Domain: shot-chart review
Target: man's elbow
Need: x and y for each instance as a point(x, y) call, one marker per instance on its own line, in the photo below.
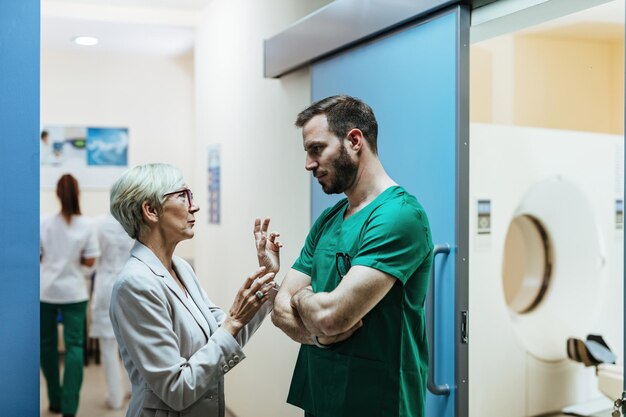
point(278, 315)
point(274, 317)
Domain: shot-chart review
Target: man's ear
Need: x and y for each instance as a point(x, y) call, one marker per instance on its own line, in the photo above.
point(149, 212)
point(357, 140)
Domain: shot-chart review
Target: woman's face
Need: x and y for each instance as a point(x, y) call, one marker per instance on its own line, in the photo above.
point(177, 218)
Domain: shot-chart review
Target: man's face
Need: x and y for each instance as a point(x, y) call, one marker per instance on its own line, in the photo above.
point(327, 157)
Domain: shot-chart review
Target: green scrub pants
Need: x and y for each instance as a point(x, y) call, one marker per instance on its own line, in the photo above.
point(63, 397)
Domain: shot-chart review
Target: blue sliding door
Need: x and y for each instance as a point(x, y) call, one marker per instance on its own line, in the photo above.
point(415, 79)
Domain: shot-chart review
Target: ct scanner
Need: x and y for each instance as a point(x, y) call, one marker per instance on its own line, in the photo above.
point(546, 253)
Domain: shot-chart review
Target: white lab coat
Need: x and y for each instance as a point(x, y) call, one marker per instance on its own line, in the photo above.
point(62, 281)
point(115, 247)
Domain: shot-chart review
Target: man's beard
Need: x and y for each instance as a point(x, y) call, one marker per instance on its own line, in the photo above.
point(344, 174)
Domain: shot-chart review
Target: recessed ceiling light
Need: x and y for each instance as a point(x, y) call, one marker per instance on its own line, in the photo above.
point(85, 40)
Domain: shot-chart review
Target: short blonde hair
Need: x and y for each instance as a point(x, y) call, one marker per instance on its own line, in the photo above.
point(142, 183)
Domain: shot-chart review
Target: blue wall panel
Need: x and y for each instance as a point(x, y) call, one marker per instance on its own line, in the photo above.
point(19, 207)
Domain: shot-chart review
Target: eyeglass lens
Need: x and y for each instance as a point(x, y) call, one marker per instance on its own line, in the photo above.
point(188, 195)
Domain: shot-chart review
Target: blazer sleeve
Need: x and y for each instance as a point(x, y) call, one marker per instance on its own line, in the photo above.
point(142, 317)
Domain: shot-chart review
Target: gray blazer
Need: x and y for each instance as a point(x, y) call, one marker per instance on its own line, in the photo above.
point(176, 355)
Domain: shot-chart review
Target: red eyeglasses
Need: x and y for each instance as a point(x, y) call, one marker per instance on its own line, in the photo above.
point(184, 193)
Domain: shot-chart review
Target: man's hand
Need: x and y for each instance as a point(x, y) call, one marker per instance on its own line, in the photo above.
point(267, 250)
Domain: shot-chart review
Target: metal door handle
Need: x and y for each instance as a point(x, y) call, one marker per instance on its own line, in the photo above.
point(443, 389)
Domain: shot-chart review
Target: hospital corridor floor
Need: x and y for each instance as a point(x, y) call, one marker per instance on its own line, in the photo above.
point(91, 396)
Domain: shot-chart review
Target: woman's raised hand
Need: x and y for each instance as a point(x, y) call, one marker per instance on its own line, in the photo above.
point(251, 296)
point(267, 249)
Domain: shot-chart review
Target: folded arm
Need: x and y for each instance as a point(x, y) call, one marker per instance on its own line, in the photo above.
point(284, 316)
point(336, 312)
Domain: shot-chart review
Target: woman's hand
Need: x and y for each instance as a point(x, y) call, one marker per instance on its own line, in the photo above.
point(267, 250)
point(247, 303)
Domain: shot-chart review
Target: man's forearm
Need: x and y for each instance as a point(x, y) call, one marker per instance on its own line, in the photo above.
point(302, 329)
point(287, 319)
point(310, 308)
point(320, 313)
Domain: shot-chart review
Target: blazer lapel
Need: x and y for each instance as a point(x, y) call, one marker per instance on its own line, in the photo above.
point(194, 292)
point(145, 255)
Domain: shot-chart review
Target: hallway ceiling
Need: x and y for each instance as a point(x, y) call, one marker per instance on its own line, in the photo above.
point(145, 27)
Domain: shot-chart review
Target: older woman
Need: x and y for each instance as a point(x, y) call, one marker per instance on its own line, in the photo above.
point(176, 344)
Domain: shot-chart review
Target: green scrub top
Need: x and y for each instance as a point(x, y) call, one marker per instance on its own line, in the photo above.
point(381, 371)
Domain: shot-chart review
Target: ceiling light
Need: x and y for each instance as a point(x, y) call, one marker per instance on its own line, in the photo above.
point(85, 40)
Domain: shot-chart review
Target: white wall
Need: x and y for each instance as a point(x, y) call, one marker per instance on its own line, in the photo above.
point(262, 175)
point(152, 96)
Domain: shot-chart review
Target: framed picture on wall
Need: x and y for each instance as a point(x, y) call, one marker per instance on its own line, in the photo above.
point(214, 180)
point(96, 156)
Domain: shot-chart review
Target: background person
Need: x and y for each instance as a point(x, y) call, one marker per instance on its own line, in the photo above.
point(175, 343)
point(115, 247)
point(67, 241)
point(45, 148)
point(354, 297)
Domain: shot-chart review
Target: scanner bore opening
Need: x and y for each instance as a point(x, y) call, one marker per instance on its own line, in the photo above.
point(527, 264)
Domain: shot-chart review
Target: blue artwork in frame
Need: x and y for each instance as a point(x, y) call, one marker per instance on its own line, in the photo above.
point(107, 146)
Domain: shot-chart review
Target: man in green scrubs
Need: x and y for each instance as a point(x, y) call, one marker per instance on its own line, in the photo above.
point(355, 296)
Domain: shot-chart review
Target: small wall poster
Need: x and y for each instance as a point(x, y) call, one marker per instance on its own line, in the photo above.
point(213, 178)
point(96, 156)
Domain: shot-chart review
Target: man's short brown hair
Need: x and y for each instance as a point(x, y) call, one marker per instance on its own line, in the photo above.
point(344, 113)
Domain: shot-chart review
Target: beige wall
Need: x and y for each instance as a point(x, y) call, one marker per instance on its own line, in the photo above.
point(481, 70)
point(152, 96)
point(617, 88)
point(548, 82)
point(263, 174)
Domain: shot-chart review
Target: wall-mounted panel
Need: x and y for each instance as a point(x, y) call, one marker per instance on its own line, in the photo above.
point(19, 207)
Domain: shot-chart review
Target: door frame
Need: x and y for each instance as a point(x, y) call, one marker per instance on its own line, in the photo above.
point(503, 17)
